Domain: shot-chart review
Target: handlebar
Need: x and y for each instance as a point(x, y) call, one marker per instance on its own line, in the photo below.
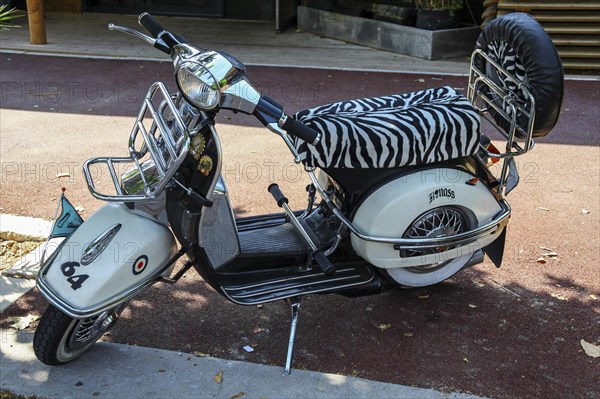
point(151, 24)
point(164, 40)
point(277, 194)
point(267, 110)
point(300, 130)
point(270, 113)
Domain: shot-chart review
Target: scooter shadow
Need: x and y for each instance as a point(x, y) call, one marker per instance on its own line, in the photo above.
point(469, 333)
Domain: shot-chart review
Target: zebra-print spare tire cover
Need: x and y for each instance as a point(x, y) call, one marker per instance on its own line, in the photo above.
point(518, 43)
point(416, 128)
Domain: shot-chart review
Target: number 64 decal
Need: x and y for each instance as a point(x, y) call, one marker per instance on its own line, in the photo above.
point(68, 270)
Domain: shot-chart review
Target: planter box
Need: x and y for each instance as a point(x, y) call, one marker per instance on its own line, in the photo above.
point(431, 45)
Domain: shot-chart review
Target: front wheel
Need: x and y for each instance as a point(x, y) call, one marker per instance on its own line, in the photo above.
point(60, 339)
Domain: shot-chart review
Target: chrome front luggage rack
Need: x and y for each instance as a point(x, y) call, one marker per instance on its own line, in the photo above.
point(158, 144)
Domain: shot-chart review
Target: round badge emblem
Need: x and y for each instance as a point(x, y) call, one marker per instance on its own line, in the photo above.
point(140, 264)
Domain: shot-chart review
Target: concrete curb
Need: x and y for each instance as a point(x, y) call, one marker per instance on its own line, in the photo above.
point(250, 64)
point(590, 78)
point(121, 371)
point(29, 265)
point(23, 228)
point(18, 279)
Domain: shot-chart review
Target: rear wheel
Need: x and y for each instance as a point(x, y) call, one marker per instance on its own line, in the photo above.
point(438, 222)
point(60, 338)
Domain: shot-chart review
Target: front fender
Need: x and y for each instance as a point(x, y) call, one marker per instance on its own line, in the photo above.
point(109, 259)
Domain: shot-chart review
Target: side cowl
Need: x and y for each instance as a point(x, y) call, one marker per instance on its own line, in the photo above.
point(109, 259)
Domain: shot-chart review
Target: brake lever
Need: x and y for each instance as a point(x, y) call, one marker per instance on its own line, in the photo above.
point(132, 32)
point(156, 43)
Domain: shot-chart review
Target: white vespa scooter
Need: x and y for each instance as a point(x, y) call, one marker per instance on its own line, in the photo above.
point(400, 194)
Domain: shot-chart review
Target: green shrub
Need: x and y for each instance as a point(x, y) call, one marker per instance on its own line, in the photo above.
point(7, 15)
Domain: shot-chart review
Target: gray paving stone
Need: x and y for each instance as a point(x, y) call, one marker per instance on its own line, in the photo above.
point(11, 289)
point(120, 371)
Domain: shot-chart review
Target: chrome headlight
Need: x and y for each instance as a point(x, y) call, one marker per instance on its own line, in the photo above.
point(198, 85)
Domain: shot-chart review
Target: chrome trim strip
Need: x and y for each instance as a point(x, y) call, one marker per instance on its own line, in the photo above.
point(220, 154)
point(308, 292)
point(274, 290)
point(211, 189)
point(281, 280)
point(76, 313)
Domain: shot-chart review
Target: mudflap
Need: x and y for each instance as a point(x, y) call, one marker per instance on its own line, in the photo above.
point(495, 251)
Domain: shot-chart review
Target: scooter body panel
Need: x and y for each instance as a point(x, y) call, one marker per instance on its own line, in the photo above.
point(217, 233)
point(107, 260)
point(391, 209)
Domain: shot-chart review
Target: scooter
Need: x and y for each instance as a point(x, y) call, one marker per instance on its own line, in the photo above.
point(402, 192)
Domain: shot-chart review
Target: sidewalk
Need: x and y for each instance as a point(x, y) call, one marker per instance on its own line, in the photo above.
point(122, 371)
point(254, 43)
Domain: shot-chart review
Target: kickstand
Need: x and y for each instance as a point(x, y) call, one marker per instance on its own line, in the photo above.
point(295, 306)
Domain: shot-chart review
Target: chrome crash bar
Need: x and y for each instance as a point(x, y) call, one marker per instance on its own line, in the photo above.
point(494, 226)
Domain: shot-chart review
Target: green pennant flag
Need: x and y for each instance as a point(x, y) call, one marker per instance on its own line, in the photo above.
point(68, 221)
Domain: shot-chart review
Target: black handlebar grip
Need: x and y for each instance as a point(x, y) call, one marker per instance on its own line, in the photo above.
point(324, 263)
point(300, 130)
point(277, 194)
point(151, 24)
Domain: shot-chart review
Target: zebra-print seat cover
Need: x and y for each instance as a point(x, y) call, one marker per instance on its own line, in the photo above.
point(386, 132)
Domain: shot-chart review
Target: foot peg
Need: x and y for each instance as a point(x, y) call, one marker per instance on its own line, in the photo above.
point(282, 201)
point(324, 263)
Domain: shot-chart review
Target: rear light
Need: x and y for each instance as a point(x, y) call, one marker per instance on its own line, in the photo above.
point(491, 148)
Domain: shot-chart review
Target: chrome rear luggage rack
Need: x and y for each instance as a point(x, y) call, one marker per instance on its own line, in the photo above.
point(515, 106)
point(509, 109)
point(158, 144)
